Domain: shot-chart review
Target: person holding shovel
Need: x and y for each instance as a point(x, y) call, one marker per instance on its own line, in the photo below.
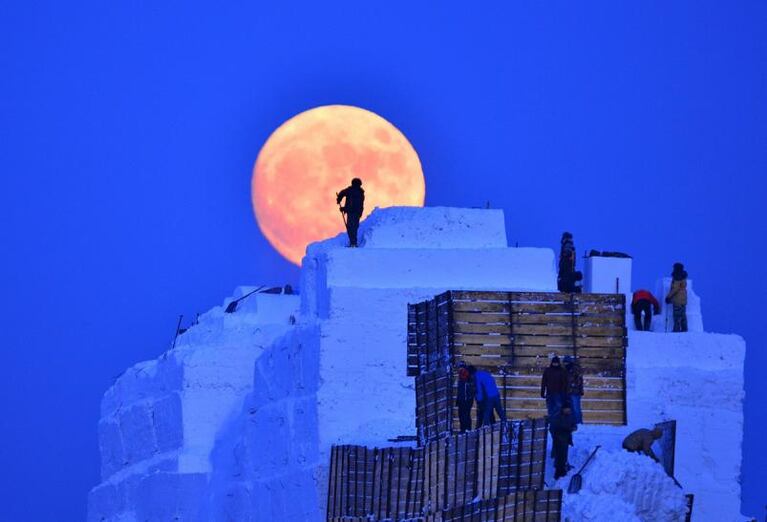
point(561, 426)
point(352, 208)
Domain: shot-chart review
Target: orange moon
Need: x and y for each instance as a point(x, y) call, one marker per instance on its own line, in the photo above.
point(315, 154)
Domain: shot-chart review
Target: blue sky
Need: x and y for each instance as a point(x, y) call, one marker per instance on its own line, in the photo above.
point(129, 130)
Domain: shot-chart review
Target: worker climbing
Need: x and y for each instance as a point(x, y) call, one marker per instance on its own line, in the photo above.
point(644, 303)
point(352, 208)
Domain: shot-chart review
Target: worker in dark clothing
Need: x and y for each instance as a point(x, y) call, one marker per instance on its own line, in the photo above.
point(353, 207)
point(554, 386)
point(640, 441)
point(488, 396)
point(574, 387)
point(561, 426)
point(645, 303)
point(464, 399)
point(567, 276)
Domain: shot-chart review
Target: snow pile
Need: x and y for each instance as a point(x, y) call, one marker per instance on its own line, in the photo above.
point(618, 485)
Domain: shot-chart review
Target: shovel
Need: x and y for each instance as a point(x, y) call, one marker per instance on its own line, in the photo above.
point(577, 481)
point(232, 307)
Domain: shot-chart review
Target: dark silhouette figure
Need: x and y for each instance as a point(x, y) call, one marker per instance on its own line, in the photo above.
point(574, 387)
point(554, 386)
point(568, 277)
point(352, 208)
point(645, 303)
point(488, 396)
point(677, 297)
point(464, 398)
point(561, 426)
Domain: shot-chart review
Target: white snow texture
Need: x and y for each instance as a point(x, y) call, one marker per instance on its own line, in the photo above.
point(236, 423)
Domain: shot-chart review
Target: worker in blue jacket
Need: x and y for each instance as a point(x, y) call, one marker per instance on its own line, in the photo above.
point(488, 396)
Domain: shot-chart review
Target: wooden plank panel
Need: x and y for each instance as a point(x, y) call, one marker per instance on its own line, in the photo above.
point(547, 340)
point(563, 328)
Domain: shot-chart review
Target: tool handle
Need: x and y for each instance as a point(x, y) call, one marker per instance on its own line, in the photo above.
point(589, 459)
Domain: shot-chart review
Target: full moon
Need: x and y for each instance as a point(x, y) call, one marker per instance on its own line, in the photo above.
point(315, 154)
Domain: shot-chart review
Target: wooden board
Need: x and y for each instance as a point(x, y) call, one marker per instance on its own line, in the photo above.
point(377, 482)
point(484, 463)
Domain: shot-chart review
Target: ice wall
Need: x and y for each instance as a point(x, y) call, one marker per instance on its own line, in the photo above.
point(161, 419)
point(697, 379)
point(237, 421)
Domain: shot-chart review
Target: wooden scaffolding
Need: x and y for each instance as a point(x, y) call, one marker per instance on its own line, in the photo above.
point(495, 473)
point(512, 335)
point(497, 470)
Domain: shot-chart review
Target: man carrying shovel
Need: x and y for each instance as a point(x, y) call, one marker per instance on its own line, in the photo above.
point(352, 208)
point(561, 425)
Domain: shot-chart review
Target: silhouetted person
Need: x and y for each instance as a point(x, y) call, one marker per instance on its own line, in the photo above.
point(561, 427)
point(574, 387)
point(488, 396)
point(353, 206)
point(640, 441)
point(464, 398)
point(567, 276)
point(643, 302)
point(554, 386)
point(677, 297)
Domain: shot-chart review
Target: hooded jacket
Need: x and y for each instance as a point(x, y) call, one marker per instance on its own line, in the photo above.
point(486, 387)
point(678, 293)
point(554, 381)
point(465, 392)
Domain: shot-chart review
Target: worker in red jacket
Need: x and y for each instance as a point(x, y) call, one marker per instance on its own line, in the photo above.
point(645, 303)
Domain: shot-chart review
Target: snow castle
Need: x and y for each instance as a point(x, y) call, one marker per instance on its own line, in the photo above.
point(237, 422)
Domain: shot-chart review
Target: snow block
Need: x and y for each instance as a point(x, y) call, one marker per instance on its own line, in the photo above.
point(608, 275)
point(166, 418)
point(106, 502)
point(696, 379)
point(433, 227)
point(111, 447)
point(138, 432)
point(161, 497)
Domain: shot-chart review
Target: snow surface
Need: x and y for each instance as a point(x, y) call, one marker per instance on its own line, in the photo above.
point(425, 227)
point(236, 423)
point(618, 485)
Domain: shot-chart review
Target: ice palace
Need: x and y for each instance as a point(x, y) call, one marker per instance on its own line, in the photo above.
point(236, 423)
